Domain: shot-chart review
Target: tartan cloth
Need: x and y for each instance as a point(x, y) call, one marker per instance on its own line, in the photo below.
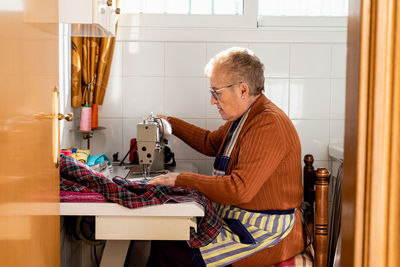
point(78, 177)
point(67, 185)
point(71, 196)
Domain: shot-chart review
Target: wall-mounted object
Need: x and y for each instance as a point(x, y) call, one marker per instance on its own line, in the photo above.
point(96, 18)
point(86, 135)
point(89, 17)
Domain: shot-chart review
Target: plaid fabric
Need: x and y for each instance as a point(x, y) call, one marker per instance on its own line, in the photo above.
point(66, 185)
point(70, 196)
point(78, 177)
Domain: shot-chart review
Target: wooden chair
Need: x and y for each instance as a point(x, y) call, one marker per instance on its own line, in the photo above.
point(316, 184)
point(316, 210)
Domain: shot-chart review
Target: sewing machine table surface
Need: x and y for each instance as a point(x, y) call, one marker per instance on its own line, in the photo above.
point(170, 221)
point(187, 209)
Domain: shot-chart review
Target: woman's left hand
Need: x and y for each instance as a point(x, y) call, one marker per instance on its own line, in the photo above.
point(165, 179)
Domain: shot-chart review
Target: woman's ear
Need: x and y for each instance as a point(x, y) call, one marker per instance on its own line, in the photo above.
point(245, 90)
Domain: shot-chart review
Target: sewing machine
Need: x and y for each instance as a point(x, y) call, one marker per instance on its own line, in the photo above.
point(153, 153)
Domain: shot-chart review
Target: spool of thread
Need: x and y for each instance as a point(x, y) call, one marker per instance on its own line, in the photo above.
point(86, 119)
point(95, 116)
point(133, 155)
point(66, 152)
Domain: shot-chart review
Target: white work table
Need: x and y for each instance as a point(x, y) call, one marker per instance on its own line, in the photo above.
point(171, 221)
point(118, 225)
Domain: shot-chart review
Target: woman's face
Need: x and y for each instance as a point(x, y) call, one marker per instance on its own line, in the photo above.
point(228, 100)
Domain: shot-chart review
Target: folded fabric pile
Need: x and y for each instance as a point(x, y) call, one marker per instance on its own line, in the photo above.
point(71, 196)
point(78, 177)
point(80, 154)
point(97, 162)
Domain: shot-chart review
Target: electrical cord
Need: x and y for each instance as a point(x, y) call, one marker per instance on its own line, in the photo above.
point(130, 149)
point(86, 237)
point(95, 253)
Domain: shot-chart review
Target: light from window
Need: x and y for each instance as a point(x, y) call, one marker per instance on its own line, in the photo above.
point(176, 6)
point(228, 7)
point(205, 7)
point(303, 7)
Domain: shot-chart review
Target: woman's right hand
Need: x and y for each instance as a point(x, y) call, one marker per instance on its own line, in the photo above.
point(162, 117)
point(166, 126)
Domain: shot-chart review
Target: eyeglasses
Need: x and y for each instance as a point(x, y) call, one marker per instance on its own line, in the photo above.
point(215, 91)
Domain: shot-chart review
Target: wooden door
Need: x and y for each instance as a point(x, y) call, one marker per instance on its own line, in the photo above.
point(29, 183)
point(371, 181)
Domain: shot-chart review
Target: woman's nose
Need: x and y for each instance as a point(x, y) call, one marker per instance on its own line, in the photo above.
point(213, 100)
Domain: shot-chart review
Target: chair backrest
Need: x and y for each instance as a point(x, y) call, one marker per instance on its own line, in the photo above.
point(316, 184)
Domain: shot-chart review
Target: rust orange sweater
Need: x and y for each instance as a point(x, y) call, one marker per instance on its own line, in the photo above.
point(264, 172)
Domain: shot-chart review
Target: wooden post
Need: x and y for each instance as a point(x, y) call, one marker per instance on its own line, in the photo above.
point(309, 181)
point(309, 191)
point(321, 217)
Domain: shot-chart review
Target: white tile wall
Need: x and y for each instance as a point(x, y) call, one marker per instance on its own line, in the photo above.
point(337, 131)
point(338, 96)
point(186, 97)
point(215, 48)
point(185, 59)
point(183, 151)
point(143, 59)
point(142, 95)
point(339, 61)
point(306, 80)
point(117, 65)
point(310, 60)
point(200, 164)
point(276, 58)
point(108, 140)
point(278, 91)
point(323, 164)
point(309, 98)
point(314, 136)
point(112, 104)
point(214, 124)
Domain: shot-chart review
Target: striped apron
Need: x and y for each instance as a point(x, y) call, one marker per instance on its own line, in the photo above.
point(244, 232)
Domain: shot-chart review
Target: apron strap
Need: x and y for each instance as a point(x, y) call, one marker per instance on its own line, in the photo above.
point(235, 135)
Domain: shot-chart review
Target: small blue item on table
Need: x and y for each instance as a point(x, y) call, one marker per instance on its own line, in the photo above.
point(98, 161)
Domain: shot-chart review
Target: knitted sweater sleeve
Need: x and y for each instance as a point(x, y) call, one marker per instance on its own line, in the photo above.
point(203, 141)
point(261, 149)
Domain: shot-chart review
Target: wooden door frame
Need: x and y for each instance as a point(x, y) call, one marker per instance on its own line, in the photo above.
point(371, 183)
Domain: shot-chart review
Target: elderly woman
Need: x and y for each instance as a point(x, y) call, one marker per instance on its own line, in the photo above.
point(257, 178)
